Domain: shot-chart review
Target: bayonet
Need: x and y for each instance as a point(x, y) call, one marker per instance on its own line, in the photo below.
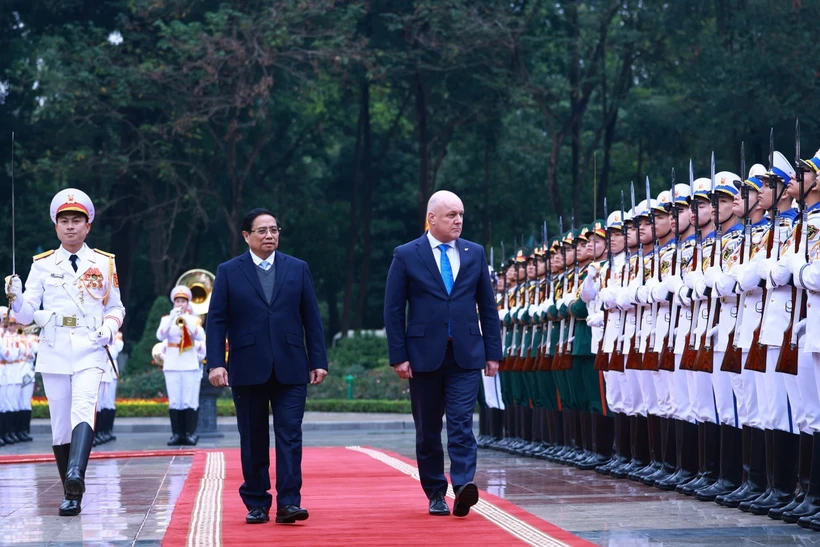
point(13, 275)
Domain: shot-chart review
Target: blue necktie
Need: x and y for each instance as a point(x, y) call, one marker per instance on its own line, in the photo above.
point(446, 274)
point(264, 265)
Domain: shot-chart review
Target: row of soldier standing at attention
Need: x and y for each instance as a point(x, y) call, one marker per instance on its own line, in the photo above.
point(675, 342)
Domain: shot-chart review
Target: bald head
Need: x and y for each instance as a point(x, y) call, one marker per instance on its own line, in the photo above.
point(445, 216)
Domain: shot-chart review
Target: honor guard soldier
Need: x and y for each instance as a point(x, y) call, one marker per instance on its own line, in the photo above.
point(181, 330)
point(8, 356)
point(106, 407)
point(78, 290)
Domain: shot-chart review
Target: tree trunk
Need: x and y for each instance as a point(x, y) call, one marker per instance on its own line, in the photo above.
point(489, 144)
point(352, 229)
point(423, 149)
point(367, 207)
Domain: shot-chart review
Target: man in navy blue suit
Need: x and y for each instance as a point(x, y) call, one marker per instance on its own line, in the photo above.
point(442, 283)
point(264, 305)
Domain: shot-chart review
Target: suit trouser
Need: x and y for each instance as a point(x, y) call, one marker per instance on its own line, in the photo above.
point(772, 396)
point(632, 391)
point(724, 394)
point(183, 388)
point(662, 379)
point(702, 397)
point(72, 400)
point(450, 390)
point(649, 398)
point(253, 406)
point(743, 384)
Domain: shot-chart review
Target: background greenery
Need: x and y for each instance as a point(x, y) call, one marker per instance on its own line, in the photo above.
point(343, 116)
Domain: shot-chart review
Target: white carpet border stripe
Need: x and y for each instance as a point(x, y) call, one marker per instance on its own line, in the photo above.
point(205, 528)
point(507, 522)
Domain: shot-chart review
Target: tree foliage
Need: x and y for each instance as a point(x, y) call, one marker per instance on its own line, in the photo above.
point(343, 116)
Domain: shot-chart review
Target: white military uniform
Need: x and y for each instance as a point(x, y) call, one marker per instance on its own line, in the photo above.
point(180, 363)
point(78, 306)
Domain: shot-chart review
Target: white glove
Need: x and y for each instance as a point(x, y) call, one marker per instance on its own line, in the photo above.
point(796, 263)
point(102, 336)
point(673, 283)
point(592, 270)
point(624, 302)
point(595, 320)
point(14, 288)
point(781, 271)
point(692, 279)
point(609, 297)
point(681, 300)
point(659, 292)
point(700, 290)
point(747, 276)
point(711, 275)
point(764, 267)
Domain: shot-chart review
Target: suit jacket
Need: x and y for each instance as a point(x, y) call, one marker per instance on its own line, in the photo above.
point(415, 286)
point(264, 336)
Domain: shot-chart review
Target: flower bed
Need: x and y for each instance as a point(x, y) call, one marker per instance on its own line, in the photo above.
point(130, 408)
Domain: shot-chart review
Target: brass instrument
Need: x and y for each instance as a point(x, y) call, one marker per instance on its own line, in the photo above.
point(201, 283)
point(180, 321)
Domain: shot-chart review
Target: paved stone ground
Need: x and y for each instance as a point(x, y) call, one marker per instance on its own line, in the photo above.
point(129, 501)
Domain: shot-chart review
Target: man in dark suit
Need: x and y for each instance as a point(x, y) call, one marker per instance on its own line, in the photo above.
point(439, 280)
point(264, 305)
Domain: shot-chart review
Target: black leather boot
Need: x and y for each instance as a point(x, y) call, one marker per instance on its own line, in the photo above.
point(710, 453)
point(98, 425)
point(112, 413)
point(25, 426)
point(176, 422)
point(70, 506)
point(639, 443)
point(686, 441)
point(623, 450)
point(784, 476)
point(746, 506)
point(190, 419)
point(803, 471)
point(754, 469)
point(6, 427)
point(731, 465)
point(81, 438)
point(666, 454)
point(601, 442)
point(810, 507)
point(653, 431)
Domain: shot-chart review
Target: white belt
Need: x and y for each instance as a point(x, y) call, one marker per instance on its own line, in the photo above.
point(72, 321)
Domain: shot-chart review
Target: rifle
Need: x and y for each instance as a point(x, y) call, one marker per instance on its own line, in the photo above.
point(518, 363)
point(529, 355)
point(667, 357)
point(704, 361)
point(650, 357)
point(546, 363)
point(756, 360)
point(559, 348)
point(539, 351)
point(633, 358)
point(566, 360)
point(690, 351)
point(601, 358)
point(732, 359)
point(616, 361)
point(787, 360)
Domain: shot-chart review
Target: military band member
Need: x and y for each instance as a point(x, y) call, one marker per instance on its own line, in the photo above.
point(106, 408)
point(81, 313)
point(9, 352)
point(180, 330)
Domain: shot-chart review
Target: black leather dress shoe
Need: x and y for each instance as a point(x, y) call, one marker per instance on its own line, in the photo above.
point(290, 514)
point(71, 507)
point(257, 516)
point(438, 506)
point(466, 497)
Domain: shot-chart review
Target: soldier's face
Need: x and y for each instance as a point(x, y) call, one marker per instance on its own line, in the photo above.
point(180, 302)
point(556, 261)
point(663, 224)
point(645, 230)
point(263, 238)
point(631, 235)
point(531, 269)
point(726, 207)
point(793, 190)
point(584, 252)
point(684, 219)
point(596, 247)
point(617, 241)
point(570, 255)
point(72, 228)
point(542, 267)
point(704, 212)
point(766, 197)
point(510, 275)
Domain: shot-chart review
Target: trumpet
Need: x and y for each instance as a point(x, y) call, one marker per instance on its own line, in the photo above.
point(180, 321)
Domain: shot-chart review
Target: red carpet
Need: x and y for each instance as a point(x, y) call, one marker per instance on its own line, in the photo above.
point(355, 497)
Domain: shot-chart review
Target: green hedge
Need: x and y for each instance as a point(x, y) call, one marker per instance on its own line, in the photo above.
point(224, 407)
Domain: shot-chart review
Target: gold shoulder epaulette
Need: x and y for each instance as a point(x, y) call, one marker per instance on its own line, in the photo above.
point(45, 254)
point(109, 255)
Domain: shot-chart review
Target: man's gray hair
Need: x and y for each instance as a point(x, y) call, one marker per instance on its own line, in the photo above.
point(438, 198)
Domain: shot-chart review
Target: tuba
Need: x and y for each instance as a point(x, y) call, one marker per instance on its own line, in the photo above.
point(201, 283)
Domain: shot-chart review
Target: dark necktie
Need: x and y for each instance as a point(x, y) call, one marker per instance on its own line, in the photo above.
point(73, 259)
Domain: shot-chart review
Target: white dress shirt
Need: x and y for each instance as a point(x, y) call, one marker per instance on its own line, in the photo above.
point(453, 255)
point(257, 261)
